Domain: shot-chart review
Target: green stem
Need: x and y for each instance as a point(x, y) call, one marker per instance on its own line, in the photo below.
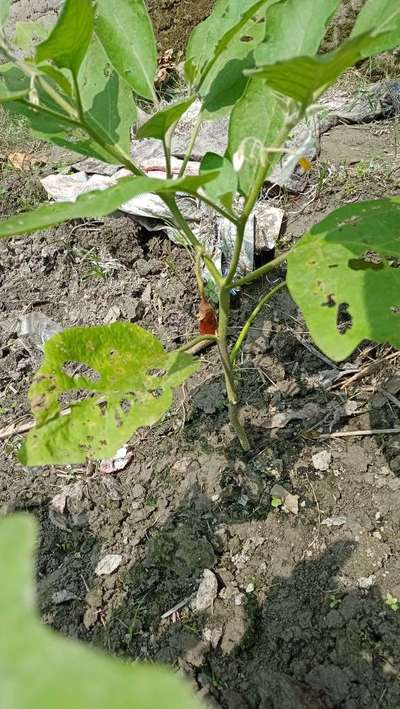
point(236, 254)
point(233, 405)
point(190, 147)
point(167, 154)
point(181, 222)
point(259, 272)
point(246, 327)
point(101, 136)
point(196, 341)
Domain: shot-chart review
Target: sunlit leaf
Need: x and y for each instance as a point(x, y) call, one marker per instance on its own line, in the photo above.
point(42, 670)
point(304, 79)
point(222, 81)
point(223, 188)
point(292, 29)
point(344, 274)
point(126, 33)
point(158, 125)
point(384, 14)
point(128, 377)
point(26, 33)
point(107, 99)
point(5, 6)
point(69, 40)
point(99, 203)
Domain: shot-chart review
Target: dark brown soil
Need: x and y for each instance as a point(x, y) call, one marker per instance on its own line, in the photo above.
point(300, 619)
point(175, 19)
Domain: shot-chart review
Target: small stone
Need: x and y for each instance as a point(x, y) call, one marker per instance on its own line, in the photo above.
point(108, 564)
point(322, 460)
point(60, 597)
point(365, 582)
point(112, 315)
point(213, 635)
point(334, 521)
point(138, 491)
point(90, 618)
point(395, 464)
point(292, 504)
point(239, 599)
point(207, 592)
point(250, 588)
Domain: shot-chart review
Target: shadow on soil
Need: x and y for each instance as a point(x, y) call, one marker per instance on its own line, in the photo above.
point(301, 642)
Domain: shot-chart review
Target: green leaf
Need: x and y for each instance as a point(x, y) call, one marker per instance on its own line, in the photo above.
point(6, 95)
point(107, 99)
point(255, 124)
point(125, 30)
point(26, 33)
point(5, 6)
point(99, 203)
point(304, 79)
point(42, 670)
point(58, 77)
point(291, 30)
point(158, 125)
point(69, 40)
point(129, 376)
point(294, 29)
point(222, 81)
point(222, 189)
point(212, 36)
point(348, 264)
point(384, 14)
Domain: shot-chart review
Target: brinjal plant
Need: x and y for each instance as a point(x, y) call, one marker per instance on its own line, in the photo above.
point(259, 63)
point(40, 669)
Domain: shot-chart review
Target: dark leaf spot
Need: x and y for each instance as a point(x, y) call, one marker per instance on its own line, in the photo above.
point(246, 38)
point(330, 301)
point(79, 369)
point(344, 321)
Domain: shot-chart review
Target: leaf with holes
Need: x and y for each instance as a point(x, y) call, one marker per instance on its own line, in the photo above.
point(351, 291)
point(126, 33)
point(40, 669)
point(115, 378)
point(223, 81)
point(257, 118)
point(107, 99)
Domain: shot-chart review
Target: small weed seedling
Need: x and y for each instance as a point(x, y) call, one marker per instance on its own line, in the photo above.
point(392, 602)
point(256, 61)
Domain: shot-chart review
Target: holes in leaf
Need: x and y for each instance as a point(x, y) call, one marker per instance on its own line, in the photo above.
point(156, 372)
point(156, 393)
point(330, 301)
point(395, 309)
point(102, 407)
point(344, 320)
point(125, 405)
point(79, 369)
point(258, 20)
point(246, 38)
point(369, 261)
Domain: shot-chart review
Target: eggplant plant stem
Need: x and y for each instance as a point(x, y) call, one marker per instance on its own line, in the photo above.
point(233, 405)
point(246, 327)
